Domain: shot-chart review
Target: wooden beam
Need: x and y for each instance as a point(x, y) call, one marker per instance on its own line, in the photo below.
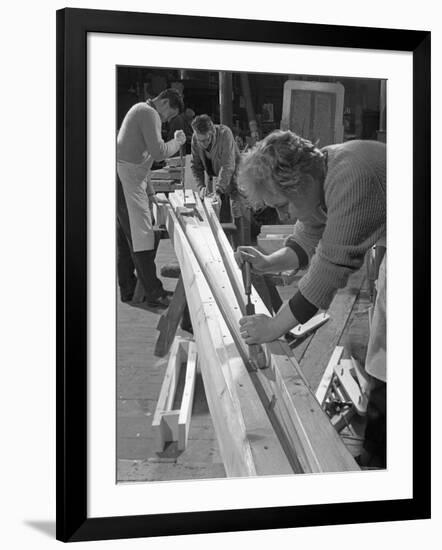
point(314, 357)
point(248, 443)
point(323, 449)
point(225, 98)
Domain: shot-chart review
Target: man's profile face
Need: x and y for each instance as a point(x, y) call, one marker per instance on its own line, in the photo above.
point(204, 140)
point(284, 207)
point(166, 112)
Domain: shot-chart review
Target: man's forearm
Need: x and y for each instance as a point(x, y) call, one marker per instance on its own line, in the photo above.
point(224, 178)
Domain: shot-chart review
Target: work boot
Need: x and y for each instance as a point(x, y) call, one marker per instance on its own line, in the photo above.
point(161, 300)
point(127, 290)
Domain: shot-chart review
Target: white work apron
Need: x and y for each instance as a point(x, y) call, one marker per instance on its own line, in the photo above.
point(134, 179)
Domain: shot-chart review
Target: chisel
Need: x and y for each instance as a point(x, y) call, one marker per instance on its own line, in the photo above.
point(256, 353)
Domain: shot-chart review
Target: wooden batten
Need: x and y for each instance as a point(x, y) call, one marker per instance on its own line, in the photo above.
point(248, 443)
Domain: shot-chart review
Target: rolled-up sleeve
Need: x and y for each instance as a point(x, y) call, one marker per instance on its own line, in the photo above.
point(196, 164)
point(304, 240)
point(228, 161)
point(151, 129)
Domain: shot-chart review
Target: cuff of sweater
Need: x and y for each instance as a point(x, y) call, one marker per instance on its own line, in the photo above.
point(301, 308)
point(220, 189)
point(299, 251)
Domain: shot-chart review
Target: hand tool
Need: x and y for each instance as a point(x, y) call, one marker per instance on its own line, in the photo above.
point(301, 331)
point(256, 353)
point(187, 209)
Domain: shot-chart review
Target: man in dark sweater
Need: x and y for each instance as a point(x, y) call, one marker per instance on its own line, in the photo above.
point(215, 153)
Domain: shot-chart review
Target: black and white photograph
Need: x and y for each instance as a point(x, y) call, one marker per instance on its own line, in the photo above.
point(220, 275)
point(231, 194)
point(251, 254)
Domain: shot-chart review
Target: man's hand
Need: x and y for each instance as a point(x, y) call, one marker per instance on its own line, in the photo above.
point(161, 200)
point(152, 200)
point(259, 262)
point(180, 137)
point(258, 329)
point(216, 203)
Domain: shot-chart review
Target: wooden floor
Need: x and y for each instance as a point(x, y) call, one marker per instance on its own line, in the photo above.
point(140, 374)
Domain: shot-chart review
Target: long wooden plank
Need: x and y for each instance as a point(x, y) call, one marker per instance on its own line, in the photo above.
point(327, 337)
point(247, 441)
point(307, 427)
point(205, 248)
point(321, 444)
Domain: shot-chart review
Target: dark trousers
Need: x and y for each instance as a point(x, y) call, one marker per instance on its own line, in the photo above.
point(225, 216)
point(125, 265)
point(127, 259)
point(376, 430)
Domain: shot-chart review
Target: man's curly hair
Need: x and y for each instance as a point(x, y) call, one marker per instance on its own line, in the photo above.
point(279, 165)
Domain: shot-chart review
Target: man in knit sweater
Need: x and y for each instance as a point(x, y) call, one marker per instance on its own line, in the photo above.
point(139, 144)
point(338, 197)
point(215, 153)
point(337, 194)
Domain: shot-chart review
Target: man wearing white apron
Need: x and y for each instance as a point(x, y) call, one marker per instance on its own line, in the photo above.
point(139, 144)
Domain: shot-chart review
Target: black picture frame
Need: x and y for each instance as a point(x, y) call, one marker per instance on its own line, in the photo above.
point(73, 25)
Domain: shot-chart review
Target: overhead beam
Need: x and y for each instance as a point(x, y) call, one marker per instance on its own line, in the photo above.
point(225, 98)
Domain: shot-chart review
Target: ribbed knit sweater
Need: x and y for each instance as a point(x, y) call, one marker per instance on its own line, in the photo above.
point(224, 157)
point(333, 240)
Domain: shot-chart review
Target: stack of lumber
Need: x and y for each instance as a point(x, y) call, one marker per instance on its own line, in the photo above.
point(168, 179)
point(272, 237)
point(267, 421)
